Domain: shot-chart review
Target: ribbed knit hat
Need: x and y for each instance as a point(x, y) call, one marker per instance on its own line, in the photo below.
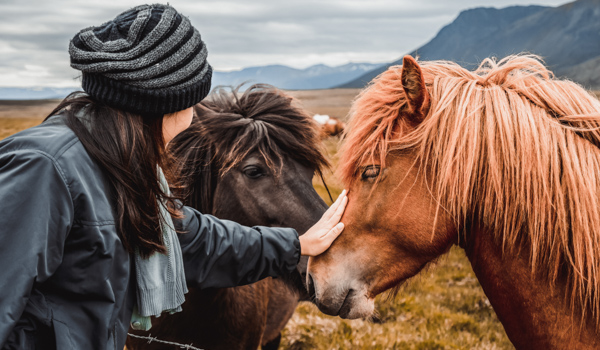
point(149, 60)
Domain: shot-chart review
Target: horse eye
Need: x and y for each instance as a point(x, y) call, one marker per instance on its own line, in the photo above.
point(370, 172)
point(253, 172)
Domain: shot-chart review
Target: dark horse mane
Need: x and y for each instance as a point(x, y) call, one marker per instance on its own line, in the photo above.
point(230, 125)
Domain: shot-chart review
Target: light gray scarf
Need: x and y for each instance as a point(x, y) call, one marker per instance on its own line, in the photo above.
point(160, 278)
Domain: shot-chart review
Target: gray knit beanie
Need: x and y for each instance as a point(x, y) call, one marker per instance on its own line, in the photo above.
point(149, 60)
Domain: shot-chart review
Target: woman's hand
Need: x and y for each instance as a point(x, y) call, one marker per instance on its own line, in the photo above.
point(319, 237)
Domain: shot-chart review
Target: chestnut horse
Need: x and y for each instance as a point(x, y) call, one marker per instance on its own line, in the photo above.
point(330, 126)
point(503, 161)
point(249, 158)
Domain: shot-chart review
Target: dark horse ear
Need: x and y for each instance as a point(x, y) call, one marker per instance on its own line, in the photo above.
point(414, 88)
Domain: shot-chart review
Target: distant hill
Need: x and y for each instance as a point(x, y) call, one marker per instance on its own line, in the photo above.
point(567, 37)
point(314, 77)
point(34, 93)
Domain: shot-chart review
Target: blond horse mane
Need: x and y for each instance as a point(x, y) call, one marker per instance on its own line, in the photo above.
point(509, 147)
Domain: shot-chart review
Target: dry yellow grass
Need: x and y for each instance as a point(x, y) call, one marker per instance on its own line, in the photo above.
point(36, 109)
point(18, 115)
point(334, 102)
point(9, 126)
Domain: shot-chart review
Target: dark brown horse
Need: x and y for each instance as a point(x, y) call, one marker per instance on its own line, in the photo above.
point(505, 162)
point(250, 158)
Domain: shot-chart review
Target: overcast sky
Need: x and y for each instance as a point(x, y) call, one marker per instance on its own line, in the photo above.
point(35, 34)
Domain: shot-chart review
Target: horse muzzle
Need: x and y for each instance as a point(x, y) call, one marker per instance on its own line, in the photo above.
point(346, 302)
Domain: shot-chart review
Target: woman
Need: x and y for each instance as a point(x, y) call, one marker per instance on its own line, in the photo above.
point(91, 237)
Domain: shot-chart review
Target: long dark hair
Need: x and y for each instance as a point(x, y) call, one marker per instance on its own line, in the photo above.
point(128, 147)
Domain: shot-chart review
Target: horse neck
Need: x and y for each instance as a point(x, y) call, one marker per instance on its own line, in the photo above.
point(534, 314)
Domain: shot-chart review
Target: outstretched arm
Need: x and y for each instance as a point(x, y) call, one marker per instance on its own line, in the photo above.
point(221, 253)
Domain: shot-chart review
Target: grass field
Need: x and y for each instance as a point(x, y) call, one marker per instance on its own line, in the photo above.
point(443, 308)
point(18, 115)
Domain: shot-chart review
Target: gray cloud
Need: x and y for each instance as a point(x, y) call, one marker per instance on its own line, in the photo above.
point(34, 35)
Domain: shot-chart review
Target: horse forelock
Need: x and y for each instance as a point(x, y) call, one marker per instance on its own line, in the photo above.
point(507, 146)
point(263, 119)
point(230, 125)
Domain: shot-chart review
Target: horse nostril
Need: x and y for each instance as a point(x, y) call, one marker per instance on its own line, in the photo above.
point(310, 287)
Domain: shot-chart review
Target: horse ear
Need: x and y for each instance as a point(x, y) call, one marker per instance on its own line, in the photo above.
point(413, 84)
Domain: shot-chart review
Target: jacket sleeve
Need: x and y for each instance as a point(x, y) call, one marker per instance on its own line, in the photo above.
point(36, 212)
point(221, 253)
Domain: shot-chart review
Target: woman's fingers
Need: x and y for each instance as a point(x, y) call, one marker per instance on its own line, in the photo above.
point(320, 237)
point(333, 234)
point(313, 245)
point(339, 211)
point(329, 212)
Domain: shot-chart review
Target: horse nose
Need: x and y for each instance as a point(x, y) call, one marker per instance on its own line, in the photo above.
point(310, 286)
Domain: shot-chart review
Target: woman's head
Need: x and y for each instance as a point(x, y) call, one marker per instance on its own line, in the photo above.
point(148, 60)
point(141, 72)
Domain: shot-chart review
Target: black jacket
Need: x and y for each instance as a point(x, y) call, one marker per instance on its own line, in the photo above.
point(65, 278)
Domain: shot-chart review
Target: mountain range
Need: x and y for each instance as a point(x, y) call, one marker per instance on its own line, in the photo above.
point(315, 77)
point(34, 93)
point(567, 37)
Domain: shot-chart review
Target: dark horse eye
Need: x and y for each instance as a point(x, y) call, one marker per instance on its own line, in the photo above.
point(370, 172)
point(253, 172)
